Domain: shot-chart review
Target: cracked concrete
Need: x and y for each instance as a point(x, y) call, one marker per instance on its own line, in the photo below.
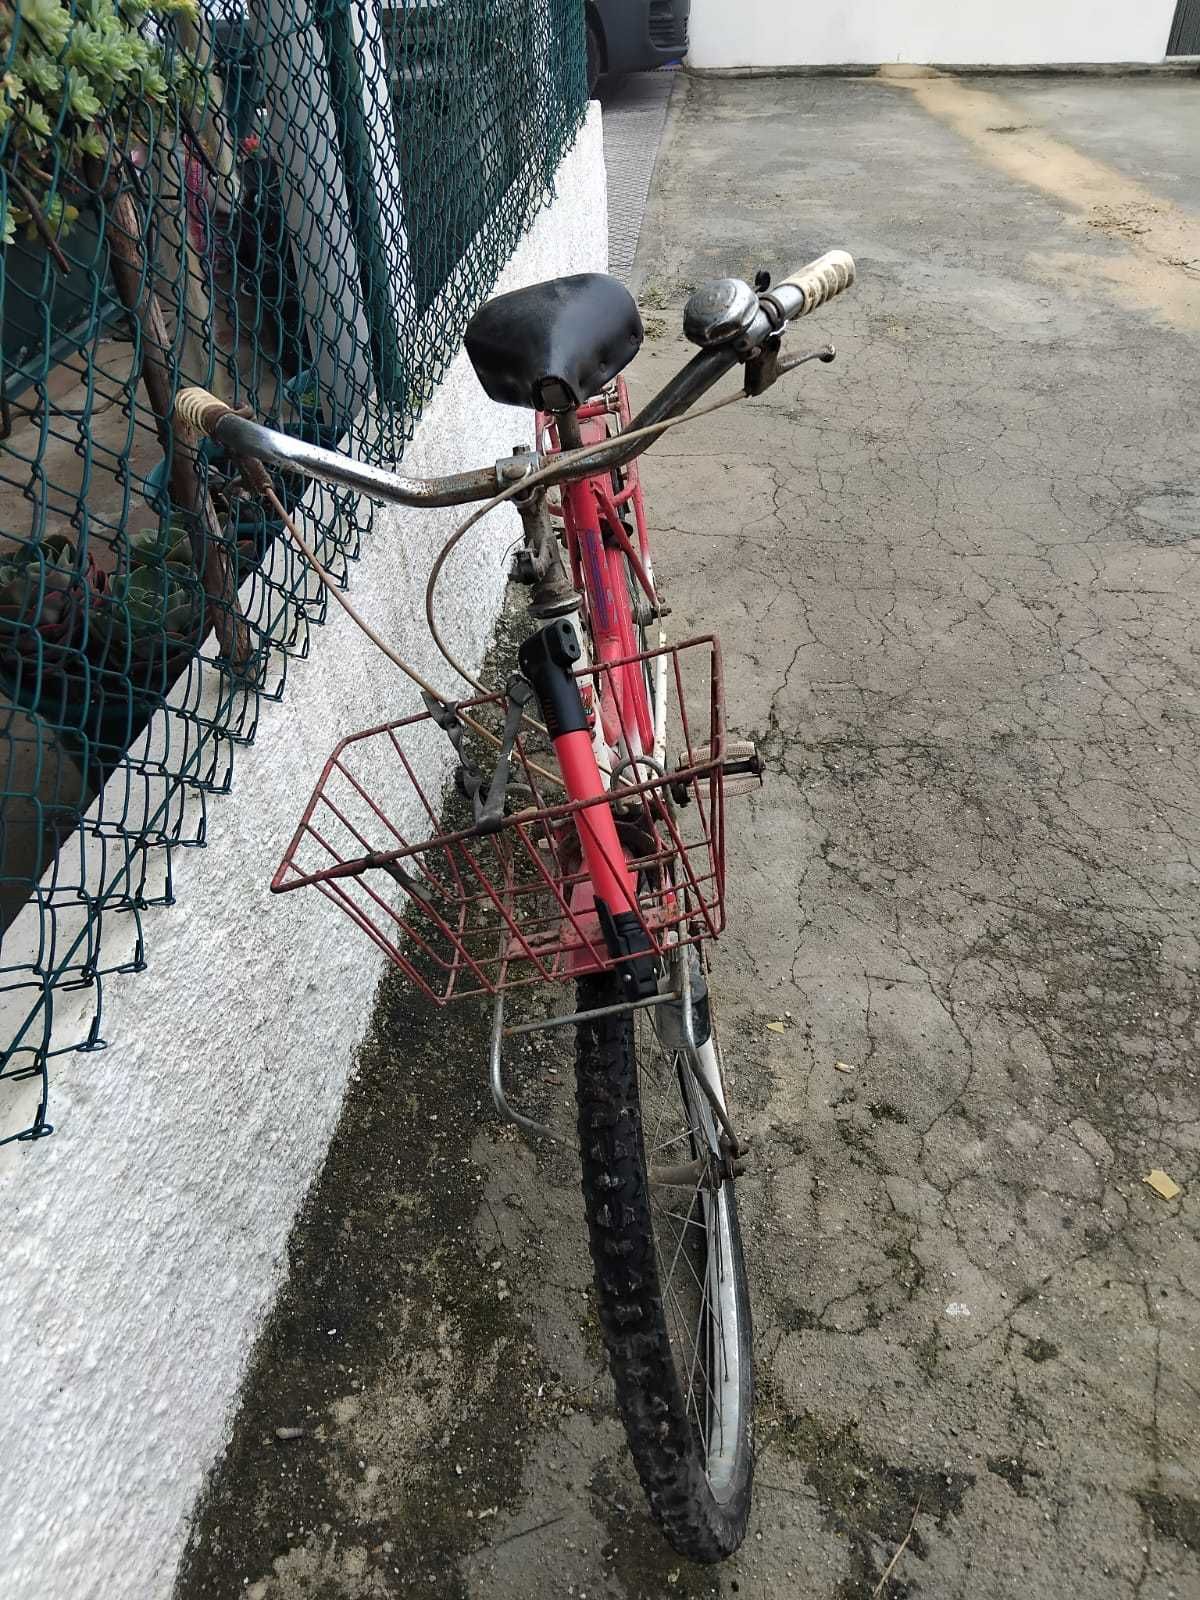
point(955, 574)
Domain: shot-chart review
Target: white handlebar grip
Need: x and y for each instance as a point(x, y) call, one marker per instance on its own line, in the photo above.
point(200, 409)
point(821, 279)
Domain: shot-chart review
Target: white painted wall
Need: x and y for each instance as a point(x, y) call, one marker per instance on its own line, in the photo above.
point(145, 1240)
point(786, 33)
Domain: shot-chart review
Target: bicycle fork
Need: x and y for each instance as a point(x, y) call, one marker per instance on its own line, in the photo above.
point(546, 660)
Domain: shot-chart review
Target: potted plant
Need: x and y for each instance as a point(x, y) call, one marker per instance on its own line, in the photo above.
point(79, 88)
point(45, 594)
point(245, 521)
point(153, 613)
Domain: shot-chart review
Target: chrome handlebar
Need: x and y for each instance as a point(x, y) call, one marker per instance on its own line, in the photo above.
point(750, 321)
point(242, 437)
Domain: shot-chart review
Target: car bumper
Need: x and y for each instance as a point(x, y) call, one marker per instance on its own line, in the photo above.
point(644, 33)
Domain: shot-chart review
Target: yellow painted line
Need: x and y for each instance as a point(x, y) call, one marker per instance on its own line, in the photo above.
point(1157, 262)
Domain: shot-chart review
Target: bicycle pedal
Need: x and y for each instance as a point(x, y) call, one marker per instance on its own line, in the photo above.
point(741, 755)
point(742, 769)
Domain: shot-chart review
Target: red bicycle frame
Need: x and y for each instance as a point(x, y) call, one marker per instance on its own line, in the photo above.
point(599, 546)
point(601, 554)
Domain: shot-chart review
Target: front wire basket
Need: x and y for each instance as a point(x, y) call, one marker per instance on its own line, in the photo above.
point(463, 913)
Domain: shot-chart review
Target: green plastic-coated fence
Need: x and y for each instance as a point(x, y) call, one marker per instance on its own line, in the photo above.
point(298, 204)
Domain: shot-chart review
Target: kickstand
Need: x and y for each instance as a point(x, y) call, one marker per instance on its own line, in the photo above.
point(500, 1099)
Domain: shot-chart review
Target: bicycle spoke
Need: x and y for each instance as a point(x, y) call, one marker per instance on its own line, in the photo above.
point(665, 1144)
point(690, 1244)
point(688, 1222)
point(704, 1327)
point(694, 1343)
point(679, 1247)
point(663, 1105)
point(670, 1298)
point(689, 1393)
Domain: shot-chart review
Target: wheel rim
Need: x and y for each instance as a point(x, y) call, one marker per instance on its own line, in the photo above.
point(693, 1244)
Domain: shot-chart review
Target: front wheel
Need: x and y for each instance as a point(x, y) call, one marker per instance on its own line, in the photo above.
point(670, 1278)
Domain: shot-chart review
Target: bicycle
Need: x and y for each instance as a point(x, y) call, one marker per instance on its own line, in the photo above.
point(588, 856)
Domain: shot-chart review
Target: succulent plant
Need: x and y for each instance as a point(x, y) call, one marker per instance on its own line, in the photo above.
point(70, 77)
point(154, 607)
point(44, 595)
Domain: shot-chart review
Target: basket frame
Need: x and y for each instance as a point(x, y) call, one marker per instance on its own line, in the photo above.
point(687, 907)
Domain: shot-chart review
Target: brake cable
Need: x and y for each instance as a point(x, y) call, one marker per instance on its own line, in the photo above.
point(552, 469)
point(258, 480)
point(530, 480)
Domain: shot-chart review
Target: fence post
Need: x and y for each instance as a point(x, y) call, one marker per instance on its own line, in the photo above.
point(362, 104)
point(304, 143)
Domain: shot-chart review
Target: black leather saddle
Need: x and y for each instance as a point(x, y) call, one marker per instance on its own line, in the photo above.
point(554, 345)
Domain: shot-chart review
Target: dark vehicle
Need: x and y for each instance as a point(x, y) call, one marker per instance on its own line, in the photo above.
point(633, 35)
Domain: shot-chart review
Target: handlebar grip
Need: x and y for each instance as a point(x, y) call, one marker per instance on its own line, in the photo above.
point(821, 279)
point(201, 410)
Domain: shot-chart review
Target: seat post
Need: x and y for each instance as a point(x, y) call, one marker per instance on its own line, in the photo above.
point(569, 435)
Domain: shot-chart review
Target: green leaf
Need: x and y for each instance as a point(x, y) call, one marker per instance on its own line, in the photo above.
point(74, 66)
point(48, 20)
point(154, 85)
point(92, 143)
point(146, 596)
point(58, 214)
point(82, 101)
point(104, 53)
point(41, 72)
point(8, 228)
point(35, 119)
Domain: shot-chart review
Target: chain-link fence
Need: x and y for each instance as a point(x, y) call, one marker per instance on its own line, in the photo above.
point(298, 204)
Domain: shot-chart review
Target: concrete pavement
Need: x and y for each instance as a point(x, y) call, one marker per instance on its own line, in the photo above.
point(956, 578)
point(635, 113)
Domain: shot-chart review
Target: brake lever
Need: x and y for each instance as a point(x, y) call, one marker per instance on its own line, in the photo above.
point(765, 368)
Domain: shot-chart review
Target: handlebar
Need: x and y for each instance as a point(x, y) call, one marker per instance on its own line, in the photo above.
point(816, 283)
point(768, 312)
point(243, 437)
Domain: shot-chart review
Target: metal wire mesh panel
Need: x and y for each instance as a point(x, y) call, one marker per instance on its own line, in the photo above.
point(463, 910)
point(297, 204)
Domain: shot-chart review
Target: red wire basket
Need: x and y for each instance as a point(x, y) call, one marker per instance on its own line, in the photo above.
point(466, 913)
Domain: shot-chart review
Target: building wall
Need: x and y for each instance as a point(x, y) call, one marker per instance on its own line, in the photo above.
point(782, 33)
point(145, 1241)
